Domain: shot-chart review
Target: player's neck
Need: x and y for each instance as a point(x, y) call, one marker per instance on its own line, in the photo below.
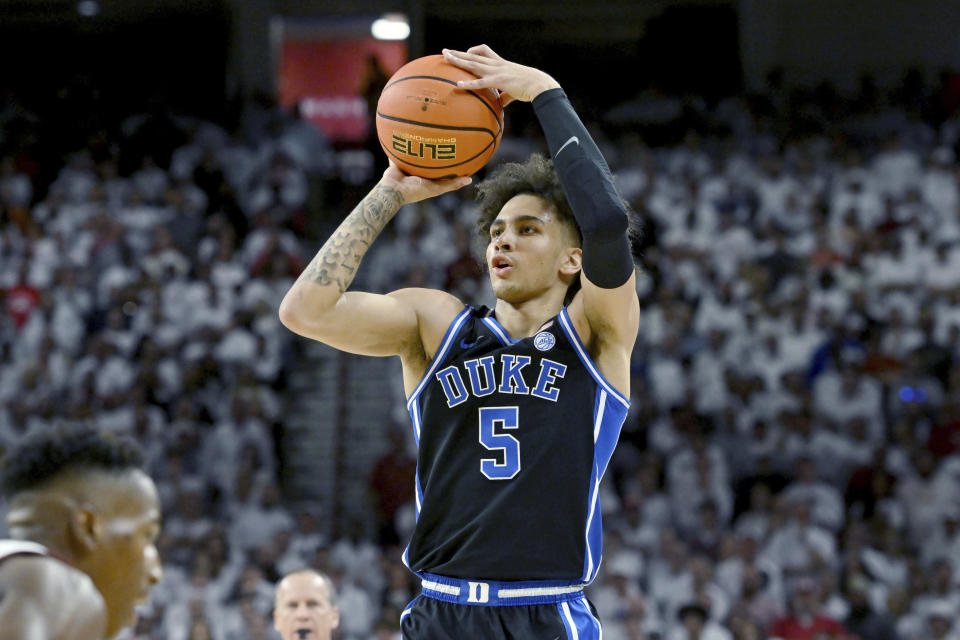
point(39, 516)
point(47, 537)
point(523, 319)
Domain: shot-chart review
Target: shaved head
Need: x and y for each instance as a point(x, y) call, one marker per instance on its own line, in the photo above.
point(305, 607)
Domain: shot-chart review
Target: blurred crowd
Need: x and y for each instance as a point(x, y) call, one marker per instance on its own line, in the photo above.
point(789, 468)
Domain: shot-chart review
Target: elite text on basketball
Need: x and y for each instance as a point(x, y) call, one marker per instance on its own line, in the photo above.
point(432, 149)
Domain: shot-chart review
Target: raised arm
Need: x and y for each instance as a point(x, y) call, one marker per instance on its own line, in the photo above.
point(609, 300)
point(318, 305)
point(607, 304)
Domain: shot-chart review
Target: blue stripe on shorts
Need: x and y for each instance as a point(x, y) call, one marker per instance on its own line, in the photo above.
point(579, 620)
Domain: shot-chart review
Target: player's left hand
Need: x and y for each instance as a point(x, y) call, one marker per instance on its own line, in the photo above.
point(515, 81)
point(414, 188)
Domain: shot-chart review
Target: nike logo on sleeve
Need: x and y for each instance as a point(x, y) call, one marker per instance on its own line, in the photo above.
point(573, 139)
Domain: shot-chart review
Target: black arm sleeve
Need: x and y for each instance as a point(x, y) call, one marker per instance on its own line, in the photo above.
point(588, 185)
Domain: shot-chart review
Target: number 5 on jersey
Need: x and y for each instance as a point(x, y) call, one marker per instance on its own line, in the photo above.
point(494, 420)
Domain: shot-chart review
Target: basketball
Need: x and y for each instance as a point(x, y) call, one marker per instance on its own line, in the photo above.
point(433, 129)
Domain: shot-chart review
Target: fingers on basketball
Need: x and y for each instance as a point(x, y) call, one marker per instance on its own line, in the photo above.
point(433, 127)
point(483, 50)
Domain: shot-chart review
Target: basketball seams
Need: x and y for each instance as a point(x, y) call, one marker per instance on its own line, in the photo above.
point(484, 101)
point(447, 136)
point(405, 78)
point(496, 116)
point(430, 125)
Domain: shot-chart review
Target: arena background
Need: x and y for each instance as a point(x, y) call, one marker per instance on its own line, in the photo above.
point(272, 451)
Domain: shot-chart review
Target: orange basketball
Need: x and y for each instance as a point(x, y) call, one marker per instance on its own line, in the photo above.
point(433, 129)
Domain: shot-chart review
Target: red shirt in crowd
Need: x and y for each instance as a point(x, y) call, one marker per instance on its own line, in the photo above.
point(791, 628)
point(20, 301)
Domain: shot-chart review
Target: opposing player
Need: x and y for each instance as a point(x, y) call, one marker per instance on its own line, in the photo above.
point(84, 519)
point(517, 409)
point(305, 607)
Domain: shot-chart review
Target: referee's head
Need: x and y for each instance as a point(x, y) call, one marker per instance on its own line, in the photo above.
point(306, 606)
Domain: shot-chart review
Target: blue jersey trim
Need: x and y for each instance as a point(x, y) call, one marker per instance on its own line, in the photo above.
point(407, 610)
point(415, 420)
point(608, 416)
point(414, 408)
point(499, 331)
point(418, 503)
point(417, 492)
point(574, 339)
point(594, 546)
point(579, 620)
point(441, 353)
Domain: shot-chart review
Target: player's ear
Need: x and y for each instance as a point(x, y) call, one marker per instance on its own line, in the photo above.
point(335, 618)
point(572, 261)
point(85, 527)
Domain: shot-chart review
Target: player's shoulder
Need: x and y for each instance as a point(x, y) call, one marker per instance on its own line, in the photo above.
point(436, 310)
point(47, 576)
point(426, 295)
point(64, 595)
point(431, 304)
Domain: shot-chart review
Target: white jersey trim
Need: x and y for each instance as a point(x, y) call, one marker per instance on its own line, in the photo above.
point(450, 590)
point(16, 547)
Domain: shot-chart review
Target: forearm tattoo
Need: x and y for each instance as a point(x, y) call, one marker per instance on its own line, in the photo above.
point(337, 261)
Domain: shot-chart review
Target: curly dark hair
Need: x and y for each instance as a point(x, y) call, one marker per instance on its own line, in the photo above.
point(535, 176)
point(41, 458)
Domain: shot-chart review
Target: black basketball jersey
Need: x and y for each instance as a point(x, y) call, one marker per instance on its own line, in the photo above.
point(514, 437)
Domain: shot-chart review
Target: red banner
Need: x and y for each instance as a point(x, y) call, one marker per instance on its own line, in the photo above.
point(335, 79)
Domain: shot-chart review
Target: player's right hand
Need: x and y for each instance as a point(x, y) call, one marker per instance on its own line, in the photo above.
point(514, 81)
point(415, 188)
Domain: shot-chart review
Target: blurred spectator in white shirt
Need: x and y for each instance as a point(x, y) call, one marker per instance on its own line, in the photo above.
point(617, 597)
point(693, 624)
point(896, 168)
point(257, 523)
point(358, 611)
point(925, 495)
point(826, 502)
point(800, 545)
point(358, 556)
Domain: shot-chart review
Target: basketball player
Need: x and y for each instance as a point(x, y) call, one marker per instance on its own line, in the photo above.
point(306, 606)
point(516, 410)
point(84, 519)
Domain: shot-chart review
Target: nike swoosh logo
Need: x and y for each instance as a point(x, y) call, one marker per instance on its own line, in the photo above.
point(466, 345)
point(573, 140)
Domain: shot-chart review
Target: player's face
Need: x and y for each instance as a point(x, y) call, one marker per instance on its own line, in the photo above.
point(303, 610)
point(126, 564)
point(530, 248)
